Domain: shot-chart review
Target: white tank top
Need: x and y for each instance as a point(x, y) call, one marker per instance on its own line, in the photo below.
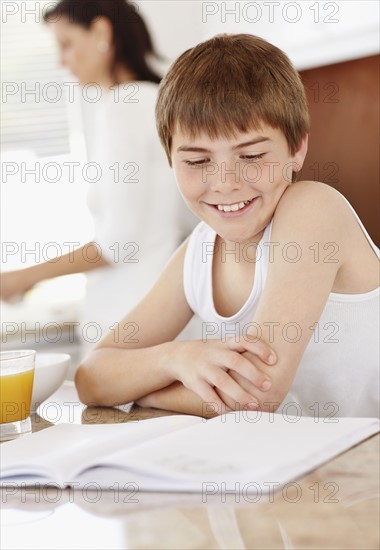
point(338, 374)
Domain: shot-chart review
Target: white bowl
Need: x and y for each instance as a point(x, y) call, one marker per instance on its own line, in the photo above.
point(50, 372)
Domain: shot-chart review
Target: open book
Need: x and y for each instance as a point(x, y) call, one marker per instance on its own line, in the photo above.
point(239, 451)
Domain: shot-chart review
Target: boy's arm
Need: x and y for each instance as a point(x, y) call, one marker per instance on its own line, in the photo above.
point(129, 362)
point(179, 399)
point(310, 217)
point(140, 357)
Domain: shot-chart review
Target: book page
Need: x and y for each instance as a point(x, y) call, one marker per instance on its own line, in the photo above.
point(58, 453)
point(236, 448)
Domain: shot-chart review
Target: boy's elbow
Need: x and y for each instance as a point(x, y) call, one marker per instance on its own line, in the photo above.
point(87, 385)
point(270, 406)
point(272, 401)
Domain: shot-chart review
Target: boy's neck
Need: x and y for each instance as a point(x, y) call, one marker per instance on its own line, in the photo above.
point(243, 251)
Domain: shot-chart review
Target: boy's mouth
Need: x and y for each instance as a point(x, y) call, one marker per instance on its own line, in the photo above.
point(233, 207)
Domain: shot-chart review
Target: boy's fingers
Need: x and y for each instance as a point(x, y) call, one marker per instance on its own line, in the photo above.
point(240, 364)
point(229, 404)
point(223, 382)
point(210, 398)
point(243, 382)
point(259, 348)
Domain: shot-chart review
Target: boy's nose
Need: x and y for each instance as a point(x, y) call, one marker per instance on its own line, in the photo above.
point(225, 177)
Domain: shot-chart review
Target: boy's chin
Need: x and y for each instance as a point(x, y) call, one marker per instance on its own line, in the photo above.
point(236, 235)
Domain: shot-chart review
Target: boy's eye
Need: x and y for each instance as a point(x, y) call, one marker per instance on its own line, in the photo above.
point(195, 162)
point(253, 157)
point(204, 161)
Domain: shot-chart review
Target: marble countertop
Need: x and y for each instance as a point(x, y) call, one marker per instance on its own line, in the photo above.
point(335, 506)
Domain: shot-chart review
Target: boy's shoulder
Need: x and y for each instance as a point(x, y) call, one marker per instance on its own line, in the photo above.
point(315, 208)
point(307, 197)
point(309, 190)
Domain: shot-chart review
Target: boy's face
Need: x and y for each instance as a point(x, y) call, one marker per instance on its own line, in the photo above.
point(217, 177)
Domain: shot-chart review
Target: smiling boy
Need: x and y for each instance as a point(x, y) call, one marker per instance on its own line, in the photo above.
point(273, 264)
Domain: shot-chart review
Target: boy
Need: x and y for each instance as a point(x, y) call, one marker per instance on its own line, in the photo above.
point(273, 263)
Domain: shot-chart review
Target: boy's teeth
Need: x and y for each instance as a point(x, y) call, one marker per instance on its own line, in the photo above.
point(232, 207)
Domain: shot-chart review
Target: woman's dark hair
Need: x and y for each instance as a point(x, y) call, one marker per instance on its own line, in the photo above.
point(131, 37)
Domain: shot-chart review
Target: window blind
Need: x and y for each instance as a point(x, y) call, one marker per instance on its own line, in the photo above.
point(34, 114)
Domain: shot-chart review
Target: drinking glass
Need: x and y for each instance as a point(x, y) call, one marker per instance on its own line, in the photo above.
point(16, 385)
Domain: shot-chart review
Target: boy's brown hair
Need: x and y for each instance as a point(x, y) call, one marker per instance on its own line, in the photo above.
point(228, 84)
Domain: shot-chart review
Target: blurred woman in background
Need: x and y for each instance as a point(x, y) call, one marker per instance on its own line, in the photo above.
point(139, 216)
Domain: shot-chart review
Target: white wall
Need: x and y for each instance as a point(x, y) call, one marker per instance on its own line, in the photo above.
point(312, 33)
point(175, 25)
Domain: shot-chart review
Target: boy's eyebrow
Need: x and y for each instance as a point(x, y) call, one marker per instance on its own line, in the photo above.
point(259, 139)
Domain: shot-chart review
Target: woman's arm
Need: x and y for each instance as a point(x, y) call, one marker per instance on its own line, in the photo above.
point(82, 259)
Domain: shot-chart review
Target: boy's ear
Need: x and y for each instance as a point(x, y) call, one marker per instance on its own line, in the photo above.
point(300, 154)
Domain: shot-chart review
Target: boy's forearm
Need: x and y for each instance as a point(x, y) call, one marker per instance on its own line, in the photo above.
point(115, 376)
point(177, 398)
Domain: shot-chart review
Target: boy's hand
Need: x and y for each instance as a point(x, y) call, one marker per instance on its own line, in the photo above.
point(204, 368)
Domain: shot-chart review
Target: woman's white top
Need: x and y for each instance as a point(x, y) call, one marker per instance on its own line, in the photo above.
point(139, 215)
point(339, 372)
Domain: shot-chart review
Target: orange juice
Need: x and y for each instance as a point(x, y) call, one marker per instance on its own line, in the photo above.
point(15, 396)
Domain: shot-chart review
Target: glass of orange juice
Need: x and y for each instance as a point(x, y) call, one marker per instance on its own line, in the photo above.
point(16, 385)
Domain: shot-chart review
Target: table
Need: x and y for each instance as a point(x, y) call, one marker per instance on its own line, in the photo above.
point(335, 506)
